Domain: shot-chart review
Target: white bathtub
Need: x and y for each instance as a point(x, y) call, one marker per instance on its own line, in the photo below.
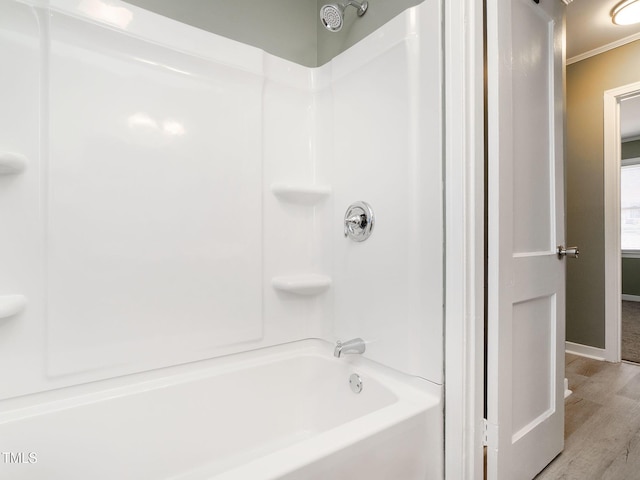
point(284, 412)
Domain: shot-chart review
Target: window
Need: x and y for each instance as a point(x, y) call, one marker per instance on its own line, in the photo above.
point(630, 205)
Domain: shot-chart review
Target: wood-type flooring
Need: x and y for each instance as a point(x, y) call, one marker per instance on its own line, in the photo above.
point(602, 423)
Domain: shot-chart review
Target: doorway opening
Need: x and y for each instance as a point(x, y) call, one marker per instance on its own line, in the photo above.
point(630, 228)
point(615, 131)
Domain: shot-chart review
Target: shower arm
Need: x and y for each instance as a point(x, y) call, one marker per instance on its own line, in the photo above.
point(362, 7)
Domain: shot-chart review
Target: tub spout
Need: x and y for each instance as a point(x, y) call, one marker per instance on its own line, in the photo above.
point(356, 345)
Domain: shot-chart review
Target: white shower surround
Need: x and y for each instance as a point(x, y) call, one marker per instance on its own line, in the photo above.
point(136, 134)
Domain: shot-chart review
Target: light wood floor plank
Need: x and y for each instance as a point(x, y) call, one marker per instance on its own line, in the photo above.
point(627, 462)
point(602, 423)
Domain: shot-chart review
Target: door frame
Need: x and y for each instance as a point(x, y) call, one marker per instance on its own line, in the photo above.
point(612, 251)
point(463, 165)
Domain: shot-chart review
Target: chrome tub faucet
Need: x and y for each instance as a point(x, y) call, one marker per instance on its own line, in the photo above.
point(356, 345)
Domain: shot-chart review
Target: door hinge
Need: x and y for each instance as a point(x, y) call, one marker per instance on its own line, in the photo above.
point(489, 434)
point(485, 434)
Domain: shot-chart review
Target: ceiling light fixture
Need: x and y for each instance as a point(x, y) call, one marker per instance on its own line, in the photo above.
point(626, 13)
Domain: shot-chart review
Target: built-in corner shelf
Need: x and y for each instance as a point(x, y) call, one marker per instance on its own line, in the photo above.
point(11, 305)
point(12, 163)
point(302, 194)
point(311, 284)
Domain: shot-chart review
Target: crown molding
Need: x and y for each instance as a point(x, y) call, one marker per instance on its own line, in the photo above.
point(604, 48)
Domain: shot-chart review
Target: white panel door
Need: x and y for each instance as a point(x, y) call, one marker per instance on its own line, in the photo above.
point(526, 290)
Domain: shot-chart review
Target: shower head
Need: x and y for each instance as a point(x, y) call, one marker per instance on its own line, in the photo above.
point(332, 14)
point(332, 17)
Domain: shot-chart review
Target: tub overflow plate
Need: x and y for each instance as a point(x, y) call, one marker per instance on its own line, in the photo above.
point(355, 382)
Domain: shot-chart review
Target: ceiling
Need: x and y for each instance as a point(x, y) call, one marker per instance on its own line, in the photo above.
point(589, 26)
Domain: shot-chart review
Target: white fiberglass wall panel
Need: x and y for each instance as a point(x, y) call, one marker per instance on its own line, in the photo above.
point(185, 194)
point(21, 244)
point(137, 231)
point(295, 224)
point(154, 169)
point(387, 152)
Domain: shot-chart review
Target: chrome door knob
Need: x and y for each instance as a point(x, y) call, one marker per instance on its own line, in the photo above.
point(571, 252)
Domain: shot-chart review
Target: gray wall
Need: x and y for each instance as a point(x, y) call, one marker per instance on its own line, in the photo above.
point(631, 149)
point(631, 276)
point(286, 28)
point(355, 29)
point(586, 82)
point(289, 29)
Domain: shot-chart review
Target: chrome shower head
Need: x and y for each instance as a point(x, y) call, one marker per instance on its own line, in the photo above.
point(332, 17)
point(332, 14)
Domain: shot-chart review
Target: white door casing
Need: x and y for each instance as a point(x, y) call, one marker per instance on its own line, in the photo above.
point(526, 278)
point(464, 232)
point(612, 249)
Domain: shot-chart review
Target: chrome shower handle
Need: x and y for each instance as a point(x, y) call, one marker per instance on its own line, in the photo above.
point(358, 221)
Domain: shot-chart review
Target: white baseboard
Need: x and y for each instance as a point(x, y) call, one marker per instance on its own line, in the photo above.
point(585, 351)
point(630, 298)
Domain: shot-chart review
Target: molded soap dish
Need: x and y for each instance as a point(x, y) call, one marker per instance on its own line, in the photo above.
point(303, 194)
point(311, 284)
point(11, 305)
point(12, 163)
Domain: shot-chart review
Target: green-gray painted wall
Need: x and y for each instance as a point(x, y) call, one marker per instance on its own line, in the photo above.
point(631, 149)
point(355, 29)
point(631, 276)
point(286, 28)
point(289, 29)
point(586, 82)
